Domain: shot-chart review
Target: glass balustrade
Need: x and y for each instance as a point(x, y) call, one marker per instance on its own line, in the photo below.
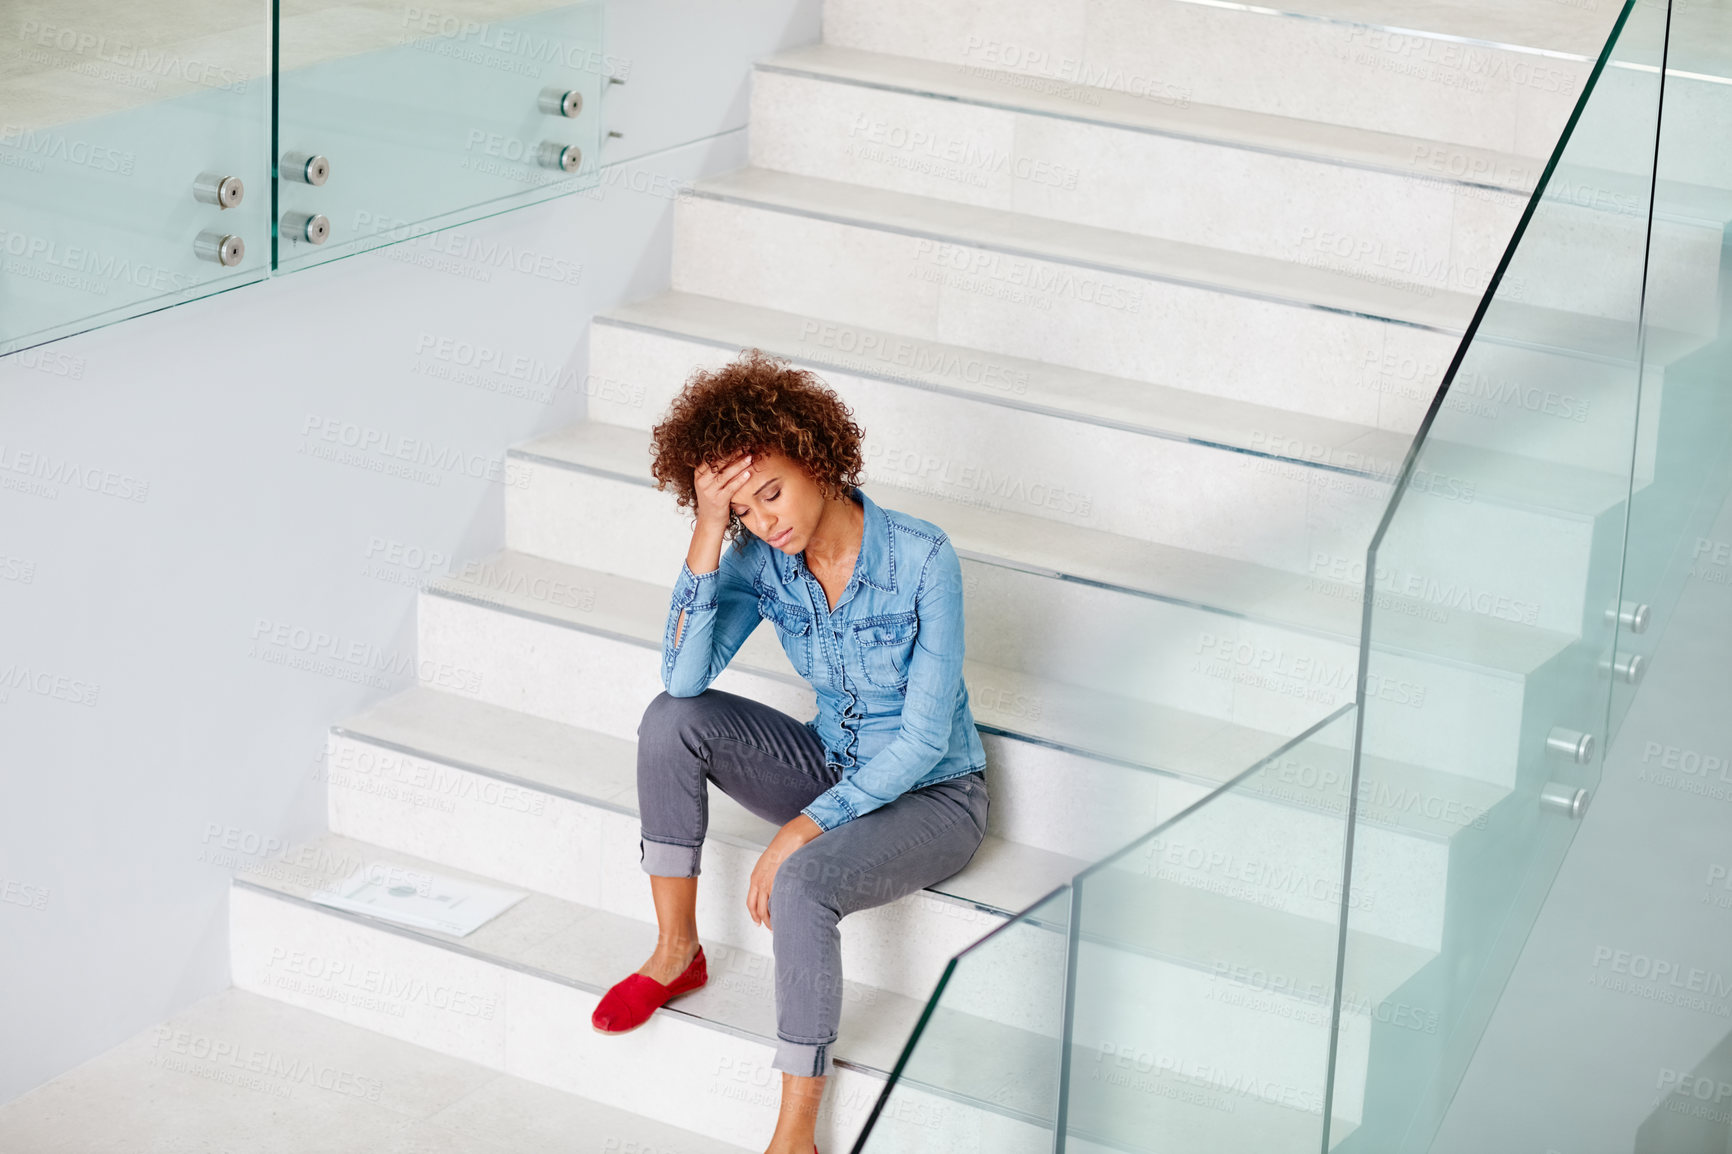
point(1305, 958)
point(134, 160)
point(1176, 995)
point(395, 120)
point(1493, 585)
point(136, 151)
point(1365, 774)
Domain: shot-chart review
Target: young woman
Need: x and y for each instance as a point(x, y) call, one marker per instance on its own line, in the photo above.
point(883, 792)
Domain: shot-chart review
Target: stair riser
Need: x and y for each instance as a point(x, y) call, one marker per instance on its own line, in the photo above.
point(1281, 355)
point(1238, 505)
point(1253, 674)
point(1033, 463)
point(1582, 252)
point(587, 853)
point(1546, 406)
point(671, 1069)
point(1409, 871)
point(1239, 1038)
point(1403, 228)
point(532, 1027)
point(1087, 808)
point(1178, 54)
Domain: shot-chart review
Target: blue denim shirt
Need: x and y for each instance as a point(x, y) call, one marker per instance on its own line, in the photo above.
point(886, 663)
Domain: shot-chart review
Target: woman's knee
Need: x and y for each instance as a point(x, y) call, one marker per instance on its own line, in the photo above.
point(665, 713)
point(806, 884)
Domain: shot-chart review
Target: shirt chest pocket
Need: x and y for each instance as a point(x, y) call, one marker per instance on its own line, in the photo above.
point(886, 645)
point(793, 626)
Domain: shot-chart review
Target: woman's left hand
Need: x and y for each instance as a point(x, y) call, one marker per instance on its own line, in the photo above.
point(789, 838)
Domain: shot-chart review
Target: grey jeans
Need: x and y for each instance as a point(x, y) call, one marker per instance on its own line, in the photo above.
point(774, 765)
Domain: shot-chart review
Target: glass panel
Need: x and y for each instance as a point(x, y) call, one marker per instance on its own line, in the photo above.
point(1490, 583)
point(118, 118)
point(1206, 964)
point(1612, 1032)
point(1686, 409)
point(981, 1070)
point(395, 120)
point(1202, 960)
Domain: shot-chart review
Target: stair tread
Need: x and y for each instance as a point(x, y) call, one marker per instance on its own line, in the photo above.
point(1309, 139)
point(332, 1087)
point(592, 767)
point(591, 949)
point(1042, 238)
point(1208, 581)
point(1161, 738)
point(1158, 410)
point(1510, 322)
point(1492, 23)
point(1078, 394)
point(1005, 877)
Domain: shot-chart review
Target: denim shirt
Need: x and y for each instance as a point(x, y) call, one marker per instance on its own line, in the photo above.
point(886, 663)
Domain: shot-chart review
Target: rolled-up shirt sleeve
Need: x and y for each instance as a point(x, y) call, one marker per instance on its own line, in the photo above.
point(721, 609)
point(929, 708)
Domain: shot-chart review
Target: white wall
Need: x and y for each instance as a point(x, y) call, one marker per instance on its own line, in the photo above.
point(148, 717)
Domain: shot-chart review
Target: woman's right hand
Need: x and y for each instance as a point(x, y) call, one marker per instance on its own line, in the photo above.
point(716, 488)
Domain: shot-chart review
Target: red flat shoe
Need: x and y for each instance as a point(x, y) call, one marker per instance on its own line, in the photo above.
point(632, 1000)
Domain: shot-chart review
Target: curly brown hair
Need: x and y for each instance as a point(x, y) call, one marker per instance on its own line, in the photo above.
point(753, 404)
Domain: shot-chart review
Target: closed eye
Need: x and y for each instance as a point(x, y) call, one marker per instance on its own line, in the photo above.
point(771, 497)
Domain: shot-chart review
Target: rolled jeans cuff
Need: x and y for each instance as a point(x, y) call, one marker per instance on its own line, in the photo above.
point(665, 860)
point(806, 1059)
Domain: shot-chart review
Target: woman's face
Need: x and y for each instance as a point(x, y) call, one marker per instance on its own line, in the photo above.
point(779, 502)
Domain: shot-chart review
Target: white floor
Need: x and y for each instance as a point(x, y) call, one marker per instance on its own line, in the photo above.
point(239, 1072)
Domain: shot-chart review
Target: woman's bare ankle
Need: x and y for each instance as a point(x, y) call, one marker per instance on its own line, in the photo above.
point(671, 957)
point(797, 1119)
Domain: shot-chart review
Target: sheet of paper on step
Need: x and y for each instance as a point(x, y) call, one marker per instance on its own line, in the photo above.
point(413, 897)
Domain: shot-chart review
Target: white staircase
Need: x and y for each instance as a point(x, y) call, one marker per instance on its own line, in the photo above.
point(1147, 338)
